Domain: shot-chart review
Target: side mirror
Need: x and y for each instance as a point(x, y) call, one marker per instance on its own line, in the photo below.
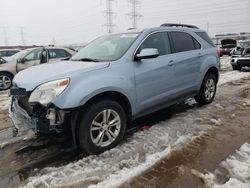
point(2, 61)
point(147, 53)
point(20, 60)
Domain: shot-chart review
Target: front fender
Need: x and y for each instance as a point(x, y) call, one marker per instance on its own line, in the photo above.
point(87, 86)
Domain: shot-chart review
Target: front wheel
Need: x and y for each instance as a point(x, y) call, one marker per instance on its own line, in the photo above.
point(5, 81)
point(101, 127)
point(207, 90)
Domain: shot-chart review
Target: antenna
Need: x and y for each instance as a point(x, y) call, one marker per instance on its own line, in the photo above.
point(109, 13)
point(22, 35)
point(134, 14)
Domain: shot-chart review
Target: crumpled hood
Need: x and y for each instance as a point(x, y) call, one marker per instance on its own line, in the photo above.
point(37, 75)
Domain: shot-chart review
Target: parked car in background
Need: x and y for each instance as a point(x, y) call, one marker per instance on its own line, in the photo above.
point(8, 52)
point(114, 80)
point(227, 45)
point(240, 58)
point(27, 58)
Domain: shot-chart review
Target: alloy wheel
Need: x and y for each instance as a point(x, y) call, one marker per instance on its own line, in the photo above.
point(105, 128)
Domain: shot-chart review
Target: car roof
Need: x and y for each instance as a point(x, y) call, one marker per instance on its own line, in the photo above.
point(163, 28)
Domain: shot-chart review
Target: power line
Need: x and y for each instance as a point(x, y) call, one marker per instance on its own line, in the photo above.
point(22, 35)
point(134, 14)
point(109, 13)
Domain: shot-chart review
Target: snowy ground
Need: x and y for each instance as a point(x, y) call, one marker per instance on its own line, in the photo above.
point(236, 171)
point(137, 153)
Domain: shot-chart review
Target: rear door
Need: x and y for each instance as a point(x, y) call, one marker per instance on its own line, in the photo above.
point(154, 84)
point(187, 61)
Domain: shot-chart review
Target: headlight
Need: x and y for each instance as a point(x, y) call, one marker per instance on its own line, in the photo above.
point(47, 92)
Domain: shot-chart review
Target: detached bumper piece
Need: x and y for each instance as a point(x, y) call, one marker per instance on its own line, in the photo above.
point(40, 119)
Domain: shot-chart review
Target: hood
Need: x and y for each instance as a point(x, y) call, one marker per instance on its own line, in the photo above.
point(37, 75)
point(228, 42)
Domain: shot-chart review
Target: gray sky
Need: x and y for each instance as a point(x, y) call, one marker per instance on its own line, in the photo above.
point(80, 21)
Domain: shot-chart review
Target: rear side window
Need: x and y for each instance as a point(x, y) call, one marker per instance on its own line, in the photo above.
point(58, 53)
point(160, 41)
point(184, 42)
point(205, 37)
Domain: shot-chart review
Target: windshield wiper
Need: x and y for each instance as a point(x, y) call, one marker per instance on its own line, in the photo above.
point(86, 59)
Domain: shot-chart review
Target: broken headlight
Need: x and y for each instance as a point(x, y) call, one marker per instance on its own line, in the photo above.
point(46, 93)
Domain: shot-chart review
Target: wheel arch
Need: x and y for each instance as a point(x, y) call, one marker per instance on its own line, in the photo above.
point(112, 95)
point(214, 71)
point(7, 72)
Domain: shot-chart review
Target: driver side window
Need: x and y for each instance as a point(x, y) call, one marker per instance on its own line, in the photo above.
point(159, 41)
point(34, 55)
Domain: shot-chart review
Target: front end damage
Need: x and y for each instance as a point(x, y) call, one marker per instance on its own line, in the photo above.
point(41, 119)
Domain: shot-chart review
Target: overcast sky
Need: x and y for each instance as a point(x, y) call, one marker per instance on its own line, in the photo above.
point(80, 21)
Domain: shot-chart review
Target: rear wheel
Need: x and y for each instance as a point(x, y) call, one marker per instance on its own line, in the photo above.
point(235, 67)
point(208, 90)
point(101, 127)
point(5, 81)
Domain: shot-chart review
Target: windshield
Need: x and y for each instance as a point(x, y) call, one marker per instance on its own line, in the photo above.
point(106, 48)
point(21, 54)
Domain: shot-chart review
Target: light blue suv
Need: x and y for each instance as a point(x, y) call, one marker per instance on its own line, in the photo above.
point(114, 80)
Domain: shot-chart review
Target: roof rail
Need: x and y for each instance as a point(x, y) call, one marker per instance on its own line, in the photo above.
point(178, 25)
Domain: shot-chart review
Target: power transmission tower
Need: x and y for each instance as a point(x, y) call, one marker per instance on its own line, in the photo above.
point(22, 35)
point(134, 14)
point(109, 13)
point(6, 41)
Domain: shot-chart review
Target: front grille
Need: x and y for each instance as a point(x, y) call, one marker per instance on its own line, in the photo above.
point(15, 91)
point(244, 62)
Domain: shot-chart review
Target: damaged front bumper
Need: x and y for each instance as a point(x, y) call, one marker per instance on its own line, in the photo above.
point(40, 119)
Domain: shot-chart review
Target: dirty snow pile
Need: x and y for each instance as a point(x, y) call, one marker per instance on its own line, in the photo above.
point(138, 153)
point(232, 76)
point(4, 100)
point(234, 172)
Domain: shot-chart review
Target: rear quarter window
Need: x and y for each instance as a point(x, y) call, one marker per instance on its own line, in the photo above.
point(183, 42)
point(205, 37)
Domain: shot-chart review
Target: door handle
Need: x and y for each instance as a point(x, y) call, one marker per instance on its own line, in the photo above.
point(199, 54)
point(171, 63)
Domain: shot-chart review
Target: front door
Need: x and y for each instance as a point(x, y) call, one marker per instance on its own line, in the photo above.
point(31, 59)
point(154, 80)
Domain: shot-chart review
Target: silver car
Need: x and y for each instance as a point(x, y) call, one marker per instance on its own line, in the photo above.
point(27, 58)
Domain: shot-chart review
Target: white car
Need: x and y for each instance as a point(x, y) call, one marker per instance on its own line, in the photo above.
point(8, 52)
point(27, 58)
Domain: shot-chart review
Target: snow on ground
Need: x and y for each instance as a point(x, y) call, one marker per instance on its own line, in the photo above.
point(232, 76)
point(225, 63)
point(237, 168)
point(4, 100)
point(4, 105)
point(127, 160)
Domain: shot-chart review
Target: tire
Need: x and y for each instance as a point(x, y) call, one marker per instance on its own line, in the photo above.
point(235, 67)
point(207, 90)
point(5, 81)
point(88, 132)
